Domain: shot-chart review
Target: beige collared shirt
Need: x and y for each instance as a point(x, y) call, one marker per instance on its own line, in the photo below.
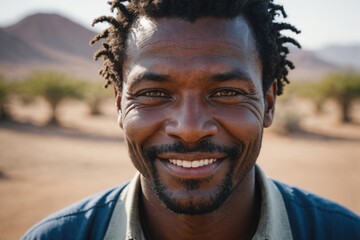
point(125, 223)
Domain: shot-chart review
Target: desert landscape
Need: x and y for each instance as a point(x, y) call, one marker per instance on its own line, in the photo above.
point(44, 168)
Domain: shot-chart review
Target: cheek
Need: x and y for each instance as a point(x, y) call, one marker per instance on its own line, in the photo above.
point(139, 124)
point(134, 138)
point(246, 128)
point(140, 127)
point(242, 123)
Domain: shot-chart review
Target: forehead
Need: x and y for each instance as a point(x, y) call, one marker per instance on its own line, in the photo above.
point(171, 29)
point(211, 42)
point(233, 32)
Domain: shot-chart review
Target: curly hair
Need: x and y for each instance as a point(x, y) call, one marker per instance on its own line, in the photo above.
point(261, 14)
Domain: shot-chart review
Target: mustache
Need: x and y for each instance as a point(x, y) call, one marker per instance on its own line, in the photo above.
point(203, 146)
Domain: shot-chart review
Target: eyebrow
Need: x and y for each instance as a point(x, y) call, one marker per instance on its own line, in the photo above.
point(150, 76)
point(232, 75)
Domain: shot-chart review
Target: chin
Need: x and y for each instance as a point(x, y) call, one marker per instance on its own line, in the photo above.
point(195, 193)
point(193, 198)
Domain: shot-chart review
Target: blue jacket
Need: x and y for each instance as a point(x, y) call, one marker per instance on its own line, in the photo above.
point(310, 217)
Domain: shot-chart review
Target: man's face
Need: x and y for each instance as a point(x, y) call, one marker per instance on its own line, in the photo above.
point(193, 109)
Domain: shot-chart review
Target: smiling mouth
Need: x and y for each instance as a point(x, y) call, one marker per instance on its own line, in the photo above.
point(193, 163)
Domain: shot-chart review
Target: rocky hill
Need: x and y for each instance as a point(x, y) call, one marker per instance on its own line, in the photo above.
point(47, 41)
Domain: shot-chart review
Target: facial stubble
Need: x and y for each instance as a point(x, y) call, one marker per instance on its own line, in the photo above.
point(192, 206)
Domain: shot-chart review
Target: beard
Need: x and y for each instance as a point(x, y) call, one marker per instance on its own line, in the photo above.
point(192, 206)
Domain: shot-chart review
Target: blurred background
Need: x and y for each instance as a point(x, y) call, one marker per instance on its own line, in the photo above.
point(59, 139)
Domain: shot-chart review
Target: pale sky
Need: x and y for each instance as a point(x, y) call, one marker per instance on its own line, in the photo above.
point(323, 22)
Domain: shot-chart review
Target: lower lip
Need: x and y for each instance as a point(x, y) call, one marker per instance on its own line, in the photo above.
point(191, 173)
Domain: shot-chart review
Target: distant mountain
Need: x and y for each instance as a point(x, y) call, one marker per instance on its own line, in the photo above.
point(54, 32)
point(344, 56)
point(308, 66)
point(47, 42)
point(19, 50)
point(313, 65)
point(52, 42)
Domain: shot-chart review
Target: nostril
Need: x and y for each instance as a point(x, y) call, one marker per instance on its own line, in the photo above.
point(191, 131)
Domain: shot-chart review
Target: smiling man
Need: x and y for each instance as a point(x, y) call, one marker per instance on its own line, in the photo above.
point(196, 84)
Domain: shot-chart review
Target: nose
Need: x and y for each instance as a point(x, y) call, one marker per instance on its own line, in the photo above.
point(191, 121)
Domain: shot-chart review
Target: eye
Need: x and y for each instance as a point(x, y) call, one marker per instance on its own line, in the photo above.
point(154, 93)
point(226, 93)
point(153, 97)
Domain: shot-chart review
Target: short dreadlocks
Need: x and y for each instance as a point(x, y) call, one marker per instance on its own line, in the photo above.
point(260, 13)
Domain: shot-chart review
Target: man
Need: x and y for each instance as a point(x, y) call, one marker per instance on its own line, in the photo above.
point(196, 83)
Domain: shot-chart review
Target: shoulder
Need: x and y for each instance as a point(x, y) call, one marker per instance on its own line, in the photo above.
point(314, 217)
point(86, 219)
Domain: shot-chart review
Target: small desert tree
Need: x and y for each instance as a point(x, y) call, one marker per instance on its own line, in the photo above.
point(344, 88)
point(95, 94)
point(314, 92)
point(287, 118)
point(54, 88)
point(4, 98)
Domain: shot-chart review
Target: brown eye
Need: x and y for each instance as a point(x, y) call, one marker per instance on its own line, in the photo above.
point(226, 93)
point(153, 97)
point(154, 93)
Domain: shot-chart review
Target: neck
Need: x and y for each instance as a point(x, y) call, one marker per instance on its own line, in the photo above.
point(236, 218)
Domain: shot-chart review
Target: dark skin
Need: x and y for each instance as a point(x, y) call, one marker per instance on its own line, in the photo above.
point(187, 82)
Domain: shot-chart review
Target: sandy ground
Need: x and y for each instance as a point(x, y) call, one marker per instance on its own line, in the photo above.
point(43, 169)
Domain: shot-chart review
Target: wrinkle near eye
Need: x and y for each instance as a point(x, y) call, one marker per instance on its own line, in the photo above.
point(255, 107)
point(256, 110)
point(131, 103)
point(131, 107)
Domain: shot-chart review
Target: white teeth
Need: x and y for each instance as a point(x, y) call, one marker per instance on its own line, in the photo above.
point(186, 164)
point(192, 164)
point(195, 164)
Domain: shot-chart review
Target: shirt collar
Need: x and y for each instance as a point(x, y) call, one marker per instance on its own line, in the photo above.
point(125, 221)
point(274, 221)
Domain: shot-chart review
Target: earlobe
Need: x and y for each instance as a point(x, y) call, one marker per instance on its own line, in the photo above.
point(270, 100)
point(118, 105)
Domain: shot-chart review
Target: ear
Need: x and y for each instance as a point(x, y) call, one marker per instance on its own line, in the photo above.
point(118, 105)
point(270, 99)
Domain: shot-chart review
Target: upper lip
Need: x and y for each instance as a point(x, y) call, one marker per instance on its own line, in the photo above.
point(191, 156)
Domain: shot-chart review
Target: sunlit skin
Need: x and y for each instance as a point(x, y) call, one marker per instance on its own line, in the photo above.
point(191, 82)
